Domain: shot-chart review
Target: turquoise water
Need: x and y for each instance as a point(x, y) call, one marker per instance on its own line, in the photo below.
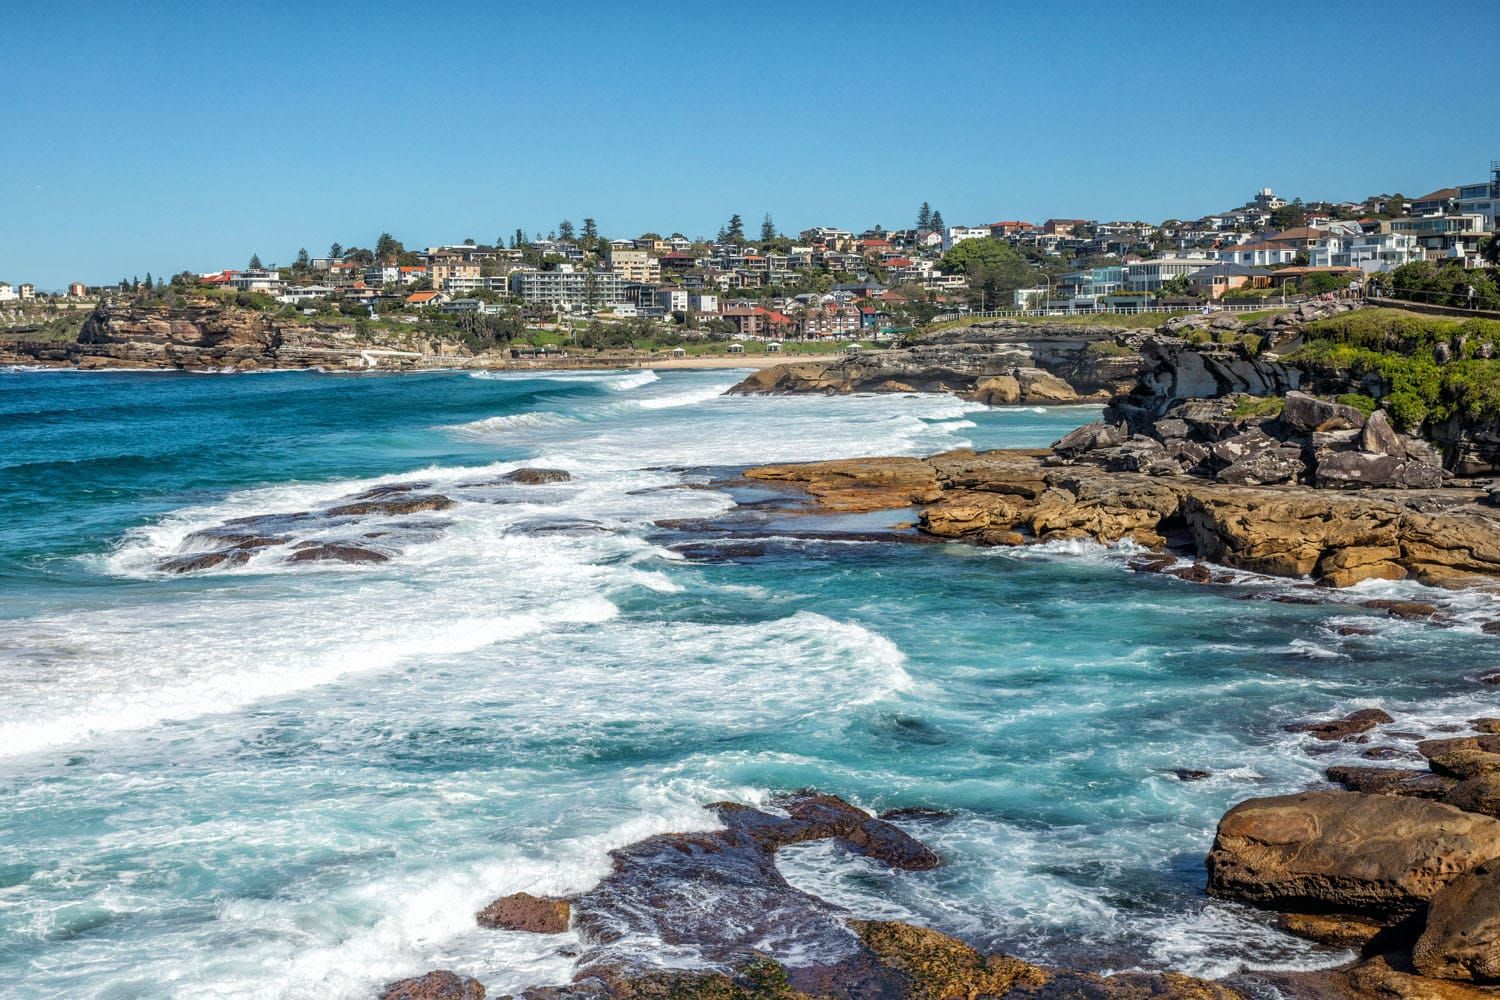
point(285, 779)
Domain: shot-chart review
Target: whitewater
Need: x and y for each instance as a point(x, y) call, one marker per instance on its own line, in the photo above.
point(300, 779)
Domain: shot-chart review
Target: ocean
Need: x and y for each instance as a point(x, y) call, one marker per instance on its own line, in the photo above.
point(279, 778)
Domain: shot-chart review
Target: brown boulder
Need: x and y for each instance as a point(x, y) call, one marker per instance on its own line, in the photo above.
point(537, 477)
point(392, 505)
point(1391, 781)
point(1335, 929)
point(1480, 794)
point(332, 552)
point(438, 985)
point(1462, 937)
point(1353, 724)
point(1465, 763)
point(521, 911)
point(1372, 855)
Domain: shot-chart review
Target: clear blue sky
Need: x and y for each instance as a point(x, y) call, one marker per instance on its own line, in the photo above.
point(151, 139)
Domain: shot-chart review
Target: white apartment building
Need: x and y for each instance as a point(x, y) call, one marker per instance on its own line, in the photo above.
point(568, 290)
point(1370, 252)
point(957, 234)
point(1150, 275)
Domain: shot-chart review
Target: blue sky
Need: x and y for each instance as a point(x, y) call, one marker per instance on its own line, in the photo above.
point(158, 139)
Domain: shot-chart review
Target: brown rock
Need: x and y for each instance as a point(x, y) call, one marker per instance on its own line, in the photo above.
point(204, 560)
point(1479, 794)
point(1462, 937)
point(521, 911)
point(1491, 726)
point(1334, 929)
point(1356, 722)
point(537, 477)
point(1391, 781)
point(392, 505)
point(332, 552)
point(1434, 748)
point(1404, 609)
point(1465, 763)
point(438, 985)
point(1379, 856)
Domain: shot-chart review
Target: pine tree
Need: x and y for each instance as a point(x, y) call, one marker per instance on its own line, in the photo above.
point(255, 262)
point(303, 261)
point(937, 222)
point(767, 229)
point(590, 233)
point(924, 216)
point(518, 240)
point(149, 283)
point(735, 231)
point(336, 252)
point(565, 231)
point(388, 248)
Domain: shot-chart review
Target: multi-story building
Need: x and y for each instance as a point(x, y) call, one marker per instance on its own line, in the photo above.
point(1258, 254)
point(957, 234)
point(451, 264)
point(379, 275)
point(632, 264)
point(1087, 287)
point(568, 290)
point(1151, 275)
point(1370, 252)
point(258, 279)
point(1482, 199)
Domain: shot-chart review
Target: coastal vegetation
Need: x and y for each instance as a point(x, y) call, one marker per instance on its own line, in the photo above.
point(1425, 369)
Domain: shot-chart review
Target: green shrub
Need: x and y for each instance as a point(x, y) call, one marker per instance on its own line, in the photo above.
point(1258, 406)
point(1359, 401)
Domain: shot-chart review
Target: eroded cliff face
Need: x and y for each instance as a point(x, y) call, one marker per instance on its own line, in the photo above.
point(996, 363)
point(216, 336)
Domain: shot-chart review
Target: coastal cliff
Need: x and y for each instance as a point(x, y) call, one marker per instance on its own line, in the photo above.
point(218, 336)
point(997, 362)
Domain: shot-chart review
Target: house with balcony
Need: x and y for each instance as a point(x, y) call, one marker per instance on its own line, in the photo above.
point(1216, 279)
point(1151, 275)
point(1370, 252)
point(1257, 254)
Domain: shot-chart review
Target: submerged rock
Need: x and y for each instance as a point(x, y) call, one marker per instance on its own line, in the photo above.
point(336, 552)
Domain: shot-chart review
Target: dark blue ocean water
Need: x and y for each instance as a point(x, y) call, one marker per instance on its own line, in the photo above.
point(300, 779)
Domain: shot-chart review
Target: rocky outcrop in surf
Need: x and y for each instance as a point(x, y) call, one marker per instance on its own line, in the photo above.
point(717, 901)
point(998, 362)
point(1445, 537)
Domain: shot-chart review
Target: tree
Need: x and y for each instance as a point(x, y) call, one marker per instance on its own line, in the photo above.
point(735, 231)
point(1176, 286)
point(1289, 216)
point(937, 222)
point(993, 267)
point(255, 262)
point(1490, 250)
point(924, 216)
point(590, 234)
point(149, 283)
point(336, 251)
point(388, 248)
point(303, 261)
point(468, 241)
point(767, 229)
point(565, 231)
point(518, 240)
